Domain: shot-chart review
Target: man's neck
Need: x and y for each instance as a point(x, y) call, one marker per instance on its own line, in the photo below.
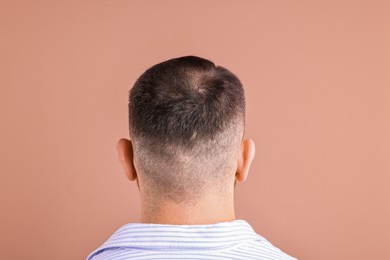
point(202, 212)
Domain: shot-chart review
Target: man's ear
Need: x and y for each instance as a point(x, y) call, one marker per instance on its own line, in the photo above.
point(125, 155)
point(246, 155)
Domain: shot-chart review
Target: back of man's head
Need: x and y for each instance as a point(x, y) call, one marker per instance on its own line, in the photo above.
point(186, 120)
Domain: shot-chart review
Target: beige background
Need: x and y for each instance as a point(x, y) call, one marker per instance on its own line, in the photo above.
point(316, 75)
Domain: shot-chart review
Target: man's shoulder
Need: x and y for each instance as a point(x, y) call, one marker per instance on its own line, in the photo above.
point(226, 240)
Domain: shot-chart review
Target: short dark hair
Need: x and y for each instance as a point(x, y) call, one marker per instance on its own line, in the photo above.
point(185, 105)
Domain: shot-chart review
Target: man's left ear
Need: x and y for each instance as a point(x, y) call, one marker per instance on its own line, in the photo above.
point(246, 155)
point(126, 158)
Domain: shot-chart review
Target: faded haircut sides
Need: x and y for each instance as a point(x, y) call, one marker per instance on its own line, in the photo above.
point(186, 122)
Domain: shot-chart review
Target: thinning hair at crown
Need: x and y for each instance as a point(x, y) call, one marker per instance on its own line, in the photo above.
point(186, 120)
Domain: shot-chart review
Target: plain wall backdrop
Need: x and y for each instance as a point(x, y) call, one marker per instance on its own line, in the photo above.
point(316, 75)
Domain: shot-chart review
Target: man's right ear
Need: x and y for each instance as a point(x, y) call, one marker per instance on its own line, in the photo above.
point(247, 153)
point(126, 158)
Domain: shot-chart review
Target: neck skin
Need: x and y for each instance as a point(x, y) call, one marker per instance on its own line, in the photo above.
point(210, 209)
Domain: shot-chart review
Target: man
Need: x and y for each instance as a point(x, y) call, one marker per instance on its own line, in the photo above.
point(186, 153)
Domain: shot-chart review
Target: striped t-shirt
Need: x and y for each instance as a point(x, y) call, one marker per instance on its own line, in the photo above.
point(226, 240)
